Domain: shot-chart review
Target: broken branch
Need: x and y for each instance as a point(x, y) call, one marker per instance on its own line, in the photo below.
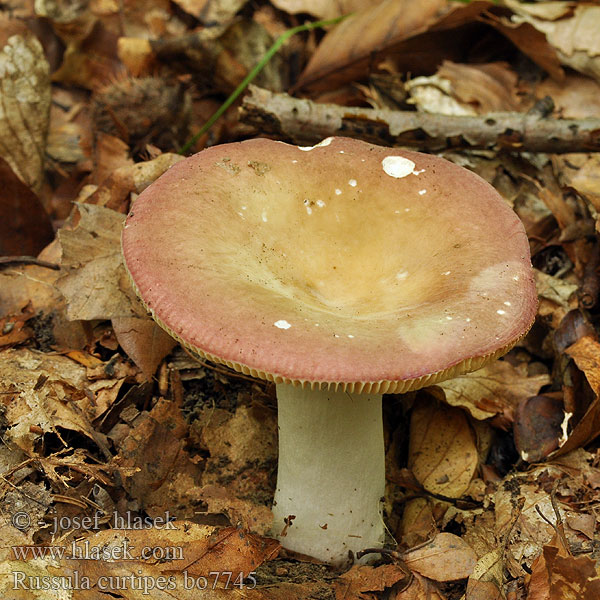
point(304, 121)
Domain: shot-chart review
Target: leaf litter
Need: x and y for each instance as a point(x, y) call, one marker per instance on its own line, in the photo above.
point(493, 477)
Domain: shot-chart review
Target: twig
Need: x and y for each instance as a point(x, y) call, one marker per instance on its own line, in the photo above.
point(6, 261)
point(304, 121)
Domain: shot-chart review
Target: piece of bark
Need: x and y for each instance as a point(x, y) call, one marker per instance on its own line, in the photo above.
point(303, 121)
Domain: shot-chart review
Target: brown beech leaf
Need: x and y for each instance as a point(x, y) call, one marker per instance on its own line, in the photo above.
point(193, 552)
point(446, 558)
point(209, 11)
point(347, 51)
point(486, 580)
point(24, 101)
point(419, 589)
point(143, 341)
point(47, 407)
point(586, 354)
point(556, 575)
point(323, 9)
point(95, 279)
point(461, 89)
point(495, 389)
point(570, 27)
point(361, 579)
point(442, 448)
point(537, 427)
point(25, 227)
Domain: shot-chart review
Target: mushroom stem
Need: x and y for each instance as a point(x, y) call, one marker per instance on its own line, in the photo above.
point(331, 475)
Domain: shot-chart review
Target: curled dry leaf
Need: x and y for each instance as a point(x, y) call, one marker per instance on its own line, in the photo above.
point(323, 9)
point(495, 389)
point(209, 11)
point(516, 505)
point(586, 354)
point(442, 448)
point(486, 580)
point(45, 399)
point(571, 27)
point(556, 575)
point(556, 296)
point(143, 341)
point(24, 102)
point(25, 227)
point(582, 173)
point(361, 579)
point(462, 89)
point(419, 589)
point(95, 279)
point(446, 558)
point(346, 53)
point(538, 426)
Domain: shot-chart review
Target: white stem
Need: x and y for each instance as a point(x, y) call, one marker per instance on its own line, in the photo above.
point(331, 473)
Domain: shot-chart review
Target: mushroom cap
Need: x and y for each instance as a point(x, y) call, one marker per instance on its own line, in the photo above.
point(344, 265)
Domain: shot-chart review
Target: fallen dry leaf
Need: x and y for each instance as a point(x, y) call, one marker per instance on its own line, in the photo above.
point(25, 227)
point(461, 89)
point(442, 448)
point(556, 575)
point(572, 28)
point(578, 97)
point(586, 354)
point(495, 389)
point(95, 277)
point(209, 11)
point(487, 579)
point(361, 579)
point(537, 428)
point(419, 589)
point(324, 9)
point(446, 558)
point(158, 471)
point(24, 100)
point(143, 341)
point(45, 399)
point(346, 53)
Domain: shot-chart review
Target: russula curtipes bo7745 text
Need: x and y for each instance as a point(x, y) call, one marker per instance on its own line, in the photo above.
point(341, 272)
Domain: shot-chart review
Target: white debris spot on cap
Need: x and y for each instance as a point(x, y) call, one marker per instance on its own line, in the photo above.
point(398, 166)
point(338, 191)
point(468, 319)
point(350, 335)
point(447, 273)
point(449, 318)
point(294, 162)
point(307, 204)
point(501, 312)
point(324, 142)
point(352, 182)
point(507, 303)
point(320, 203)
point(401, 275)
point(282, 324)
point(421, 192)
point(264, 216)
point(418, 172)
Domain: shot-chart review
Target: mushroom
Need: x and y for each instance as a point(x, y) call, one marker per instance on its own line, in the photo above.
point(340, 272)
